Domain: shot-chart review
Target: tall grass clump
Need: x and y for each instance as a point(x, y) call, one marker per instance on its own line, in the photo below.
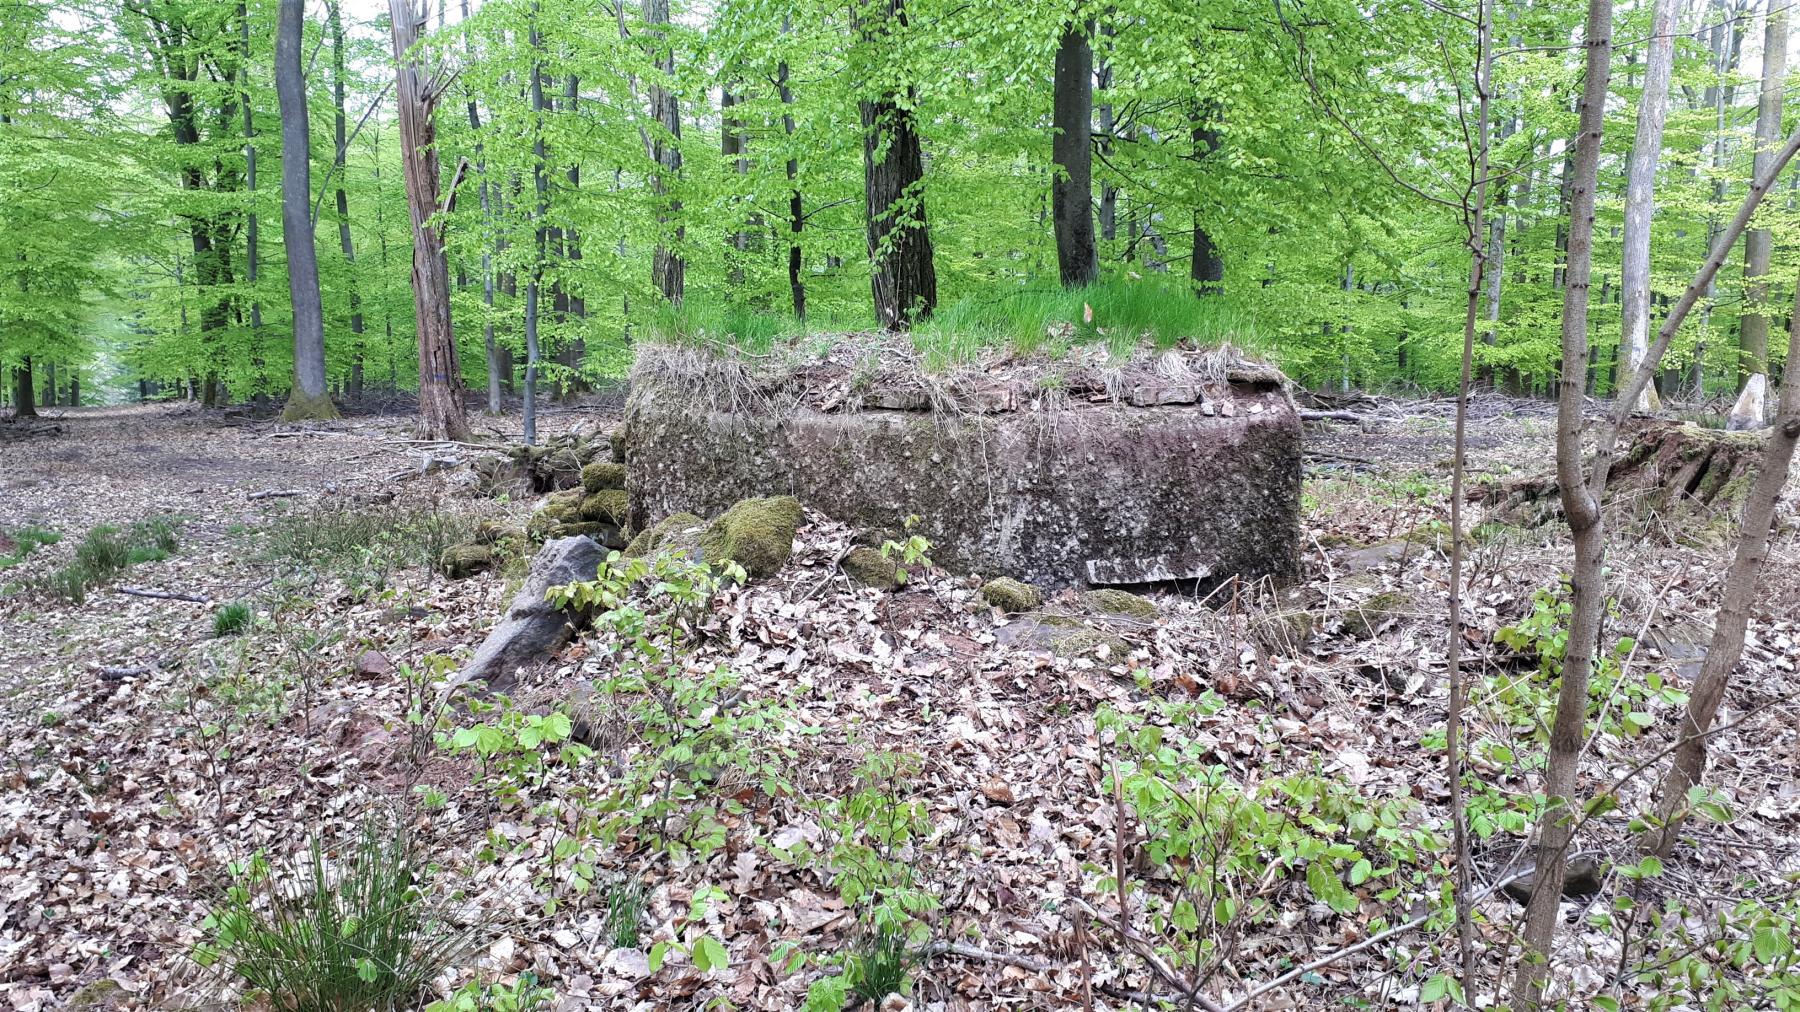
point(105, 552)
point(323, 935)
point(365, 540)
point(17, 546)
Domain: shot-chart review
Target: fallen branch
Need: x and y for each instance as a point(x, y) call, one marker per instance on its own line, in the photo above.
point(109, 674)
point(1332, 416)
point(277, 493)
point(964, 951)
point(165, 595)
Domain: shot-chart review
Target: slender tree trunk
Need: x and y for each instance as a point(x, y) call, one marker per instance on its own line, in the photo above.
point(1206, 269)
point(49, 384)
point(1733, 619)
point(74, 389)
point(440, 374)
point(496, 365)
point(796, 205)
point(731, 148)
point(1071, 148)
point(1753, 325)
point(1556, 830)
point(540, 235)
point(1109, 194)
point(353, 388)
point(903, 278)
point(309, 398)
point(577, 305)
point(1640, 193)
point(668, 271)
point(252, 238)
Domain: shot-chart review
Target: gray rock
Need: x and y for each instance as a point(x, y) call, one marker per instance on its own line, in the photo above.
point(532, 627)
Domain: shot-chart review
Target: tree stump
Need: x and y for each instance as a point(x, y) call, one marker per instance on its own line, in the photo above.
point(1667, 468)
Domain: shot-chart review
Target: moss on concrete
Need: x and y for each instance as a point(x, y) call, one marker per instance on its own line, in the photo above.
point(757, 534)
point(601, 475)
point(1011, 596)
point(867, 566)
point(1111, 601)
point(459, 561)
point(609, 506)
point(662, 533)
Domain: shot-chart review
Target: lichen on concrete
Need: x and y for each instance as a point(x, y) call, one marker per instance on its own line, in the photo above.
point(868, 567)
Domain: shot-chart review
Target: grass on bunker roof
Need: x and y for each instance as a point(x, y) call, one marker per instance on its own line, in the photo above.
point(1121, 313)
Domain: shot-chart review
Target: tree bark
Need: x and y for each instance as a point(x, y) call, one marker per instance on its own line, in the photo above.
point(309, 398)
point(1753, 326)
point(1733, 619)
point(540, 235)
point(903, 278)
point(1109, 194)
point(1640, 194)
point(1582, 509)
point(1071, 148)
point(1206, 269)
point(24, 398)
point(335, 24)
point(796, 205)
point(440, 375)
point(668, 271)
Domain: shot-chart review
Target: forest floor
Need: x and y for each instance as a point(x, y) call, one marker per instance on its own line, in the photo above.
point(143, 754)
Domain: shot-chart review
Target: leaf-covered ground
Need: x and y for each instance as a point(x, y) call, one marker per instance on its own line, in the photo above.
point(143, 754)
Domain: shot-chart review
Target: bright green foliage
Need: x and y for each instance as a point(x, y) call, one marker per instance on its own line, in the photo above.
point(17, 546)
point(106, 552)
point(1321, 155)
point(317, 936)
point(524, 995)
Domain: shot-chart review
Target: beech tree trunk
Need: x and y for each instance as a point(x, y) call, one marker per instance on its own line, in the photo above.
point(1640, 190)
point(1753, 326)
point(1556, 829)
point(335, 24)
point(668, 271)
point(309, 398)
point(1071, 148)
point(903, 279)
point(440, 376)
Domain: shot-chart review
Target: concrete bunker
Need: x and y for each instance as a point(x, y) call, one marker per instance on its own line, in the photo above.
point(1180, 465)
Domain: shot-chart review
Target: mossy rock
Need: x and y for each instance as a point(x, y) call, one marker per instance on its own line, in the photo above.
point(1085, 641)
point(1283, 632)
point(757, 534)
point(1120, 602)
point(1365, 618)
point(868, 567)
point(1011, 596)
point(664, 533)
point(610, 506)
point(102, 993)
point(561, 508)
point(602, 475)
point(459, 561)
point(493, 532)
point(617, 439)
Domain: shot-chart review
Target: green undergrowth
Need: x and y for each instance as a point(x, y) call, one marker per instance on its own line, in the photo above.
point(17, 545)
point(362, 545)
point(106, 552)
point(1119, 313)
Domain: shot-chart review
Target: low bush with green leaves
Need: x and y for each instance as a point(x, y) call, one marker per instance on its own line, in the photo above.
point(523, 995)
point(326, 934)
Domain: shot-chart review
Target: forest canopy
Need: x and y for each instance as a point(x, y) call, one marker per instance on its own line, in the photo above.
point(1282, 176)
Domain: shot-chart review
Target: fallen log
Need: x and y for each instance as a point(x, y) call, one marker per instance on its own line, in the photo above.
point(165, 595)
point(280, 493)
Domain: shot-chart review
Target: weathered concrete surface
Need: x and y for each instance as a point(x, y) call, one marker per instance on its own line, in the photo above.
point(1077, 485)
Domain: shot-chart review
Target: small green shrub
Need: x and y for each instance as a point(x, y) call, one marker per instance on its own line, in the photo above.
point(496, 996)
point(231, 619)
point(626, 899)
point(319, 936)
point(878, 965)
point(363, 545)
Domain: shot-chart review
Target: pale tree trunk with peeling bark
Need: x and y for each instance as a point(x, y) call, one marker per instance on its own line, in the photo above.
point(1733, 619)
point(1640, 194)
point(440, 375)
point(1583, 512)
